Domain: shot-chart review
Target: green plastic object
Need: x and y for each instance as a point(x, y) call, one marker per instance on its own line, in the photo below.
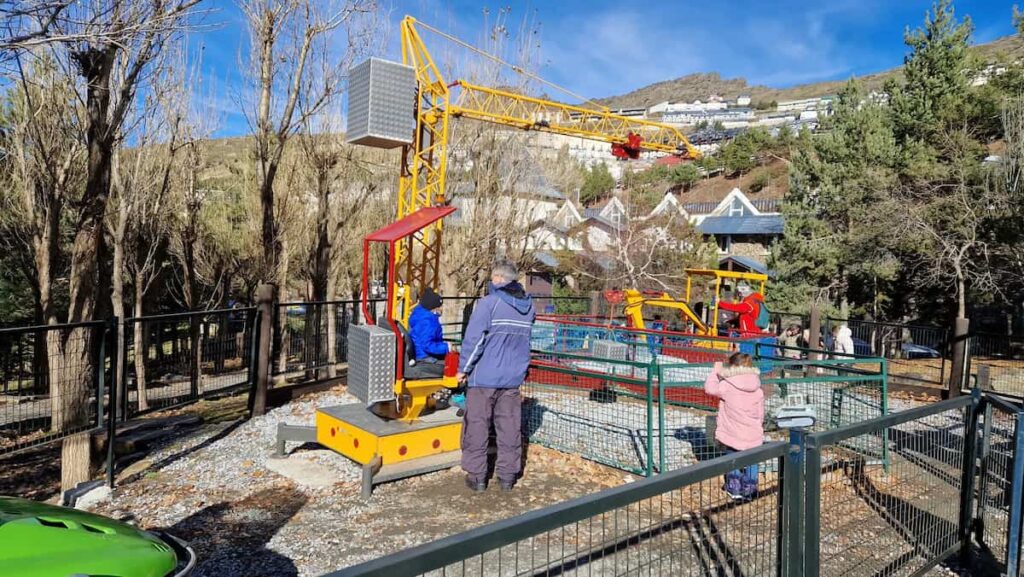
point(40, 540)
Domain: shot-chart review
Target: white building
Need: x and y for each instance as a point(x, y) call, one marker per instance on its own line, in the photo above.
point(742, 115)
point(820, 102)
point(743, 100)
point(713, 103)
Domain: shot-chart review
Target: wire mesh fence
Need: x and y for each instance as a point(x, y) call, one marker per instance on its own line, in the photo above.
point(997, 363)
point(681, 523)
point(174, 359)
point(311, 338)
point(54, 377)
point(899, 518)
point(822, 506)
point(1000, 423)
point(620, 397)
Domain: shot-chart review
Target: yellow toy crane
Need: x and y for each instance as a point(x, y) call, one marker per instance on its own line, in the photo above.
point(410, 105)
point(700, 303)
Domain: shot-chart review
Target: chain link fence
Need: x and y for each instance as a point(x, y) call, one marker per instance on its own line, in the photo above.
point(53, 382)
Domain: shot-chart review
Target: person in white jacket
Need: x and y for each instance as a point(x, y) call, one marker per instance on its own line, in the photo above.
point(843, 345)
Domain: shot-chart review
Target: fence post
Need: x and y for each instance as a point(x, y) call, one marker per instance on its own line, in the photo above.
point(792, 519)
point(968, 475)
point(984, 378)
point(958, 373)
point(595, 303)
point(265, 310)
point(1013, 529)
point(253, 322)
point(112, 413)
point(978, 523)
point(650, 417)
point(810, 533)
point(661, 411)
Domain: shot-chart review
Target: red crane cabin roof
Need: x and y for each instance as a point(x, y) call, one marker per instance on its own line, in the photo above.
point(415, 222)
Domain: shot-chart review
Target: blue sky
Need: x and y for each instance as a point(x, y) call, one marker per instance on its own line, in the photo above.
point(600, 48)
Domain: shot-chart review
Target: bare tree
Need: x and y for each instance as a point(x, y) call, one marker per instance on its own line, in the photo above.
point(295, 73)
point(46, 162)
point(490, 180)
point(950, 223)
point(109, 45)
point(644, 253)
point(345, 182)
point(45, 157)
point(493, 173)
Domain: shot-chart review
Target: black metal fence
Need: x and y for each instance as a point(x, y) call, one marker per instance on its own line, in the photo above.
point(174, 359)
point(53, 382)
point(57, 380)
point(922, 354)
point(824, 505)
point(997, 363)
point(311, 338)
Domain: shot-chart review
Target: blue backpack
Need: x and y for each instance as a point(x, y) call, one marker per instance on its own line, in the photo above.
point(764, 316)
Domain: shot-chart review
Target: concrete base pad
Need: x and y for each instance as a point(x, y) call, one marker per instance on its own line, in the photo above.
point(303, 470)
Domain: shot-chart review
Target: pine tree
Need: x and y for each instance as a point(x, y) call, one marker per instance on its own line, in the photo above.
point(597, 183)
point(934, 93)
point(836, 227)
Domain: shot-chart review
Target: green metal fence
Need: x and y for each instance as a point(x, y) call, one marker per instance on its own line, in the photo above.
point(821, 508)
point(652, 416)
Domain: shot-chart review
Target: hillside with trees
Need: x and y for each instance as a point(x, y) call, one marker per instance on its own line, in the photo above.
point(899, 211)
point(701, 85)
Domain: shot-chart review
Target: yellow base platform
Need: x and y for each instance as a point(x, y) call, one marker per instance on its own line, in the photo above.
point(360, 435)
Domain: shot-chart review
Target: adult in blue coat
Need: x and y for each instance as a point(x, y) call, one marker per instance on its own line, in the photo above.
point(426, 335)
point(493, 363)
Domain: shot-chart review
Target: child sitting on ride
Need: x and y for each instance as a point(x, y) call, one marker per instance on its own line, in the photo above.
point(740, 423)
point(427, 337)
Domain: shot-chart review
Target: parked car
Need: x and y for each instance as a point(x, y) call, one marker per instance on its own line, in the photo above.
point(40, 540)
point(913, 351)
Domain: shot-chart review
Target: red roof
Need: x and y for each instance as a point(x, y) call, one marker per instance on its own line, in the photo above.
point(670, 160)
point(415, 222)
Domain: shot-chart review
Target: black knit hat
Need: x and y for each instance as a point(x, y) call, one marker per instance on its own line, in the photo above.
point(430, 300)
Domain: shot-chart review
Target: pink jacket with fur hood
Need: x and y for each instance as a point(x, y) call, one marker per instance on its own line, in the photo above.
point(741, 411)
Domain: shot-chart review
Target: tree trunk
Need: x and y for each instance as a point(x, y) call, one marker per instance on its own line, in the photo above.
point(117, 297)
point(45, 249)
point(88, 286)
point(75, 461)
point(332, 312)
point(273, 246)
point(961, 298)
point(141, 344)
point(844, 294)
point(282, 318)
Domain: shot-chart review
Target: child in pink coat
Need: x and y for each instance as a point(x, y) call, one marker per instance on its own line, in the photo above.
point(740, 423)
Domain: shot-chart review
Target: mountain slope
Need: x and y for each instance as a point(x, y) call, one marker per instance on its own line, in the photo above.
point(702, 85)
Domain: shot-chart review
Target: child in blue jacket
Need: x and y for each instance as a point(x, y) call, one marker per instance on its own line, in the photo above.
point(427, 337)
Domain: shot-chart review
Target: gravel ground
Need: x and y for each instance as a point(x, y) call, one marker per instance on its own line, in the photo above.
point(232, 461)
point(213, 489)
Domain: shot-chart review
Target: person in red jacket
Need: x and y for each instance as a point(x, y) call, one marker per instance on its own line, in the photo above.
point(747, 309)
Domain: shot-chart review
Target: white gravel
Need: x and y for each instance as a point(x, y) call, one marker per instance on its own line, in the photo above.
point(233, 461)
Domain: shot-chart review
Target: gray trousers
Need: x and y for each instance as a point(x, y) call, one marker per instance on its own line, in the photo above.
point(503, 408)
